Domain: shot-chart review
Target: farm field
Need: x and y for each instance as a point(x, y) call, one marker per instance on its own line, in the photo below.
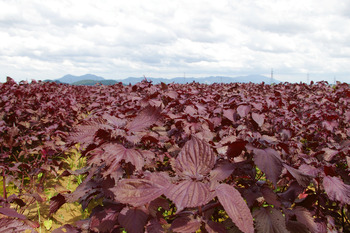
point(174, 157)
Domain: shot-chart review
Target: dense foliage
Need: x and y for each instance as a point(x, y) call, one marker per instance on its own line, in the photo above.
point(34, 118)
point(183, 158)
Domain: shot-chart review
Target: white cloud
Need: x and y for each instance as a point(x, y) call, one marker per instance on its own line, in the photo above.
point(117, 39)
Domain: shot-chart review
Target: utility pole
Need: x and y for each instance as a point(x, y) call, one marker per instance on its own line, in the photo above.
point(271, 80)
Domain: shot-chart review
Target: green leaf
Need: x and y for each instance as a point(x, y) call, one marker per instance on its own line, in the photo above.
point(48, 224)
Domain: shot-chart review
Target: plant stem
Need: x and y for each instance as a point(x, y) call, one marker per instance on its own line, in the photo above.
point(318, 198)
point(342, 217)
point(38, 207)
point(200, 210)
point(4, 183)
point(26, 173)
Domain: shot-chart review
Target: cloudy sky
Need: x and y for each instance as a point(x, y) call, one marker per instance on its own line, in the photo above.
point(46, 39)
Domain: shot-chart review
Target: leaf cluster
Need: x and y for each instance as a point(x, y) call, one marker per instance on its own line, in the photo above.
point(215, 158)
point(35, 119)
point(175, 157)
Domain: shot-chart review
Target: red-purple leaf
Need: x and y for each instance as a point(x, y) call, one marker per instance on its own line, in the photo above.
point(215, 227)
point(11, 213)
point(258, 118)
point(84, 192)
point(154, 226)
point(336, 189)
point(144, 119)
point(114, 153)
point(133, 220)
point(269, 161)
point(138, 192)
point(196, 159)
point(18, 201)
point(171, 94)
point(234, 149)
point(269, 139)
point(269, 220)
point(153, 206)
point(186, 224)
point(222, 171)
point(309, 170)
point(292, 193)
point(329, 154)
point(84, 134)
point(103, 219)
point(285, 134)
point(305, 217)
point(251, 195)
point(37, 197)
point(235, 207)
point(347, 116)
point(67, 228)
point(270, 196)
point(243, 110)
point(302, 179)
point(56, 202)
point(228, 113)
point(114, 121)
point(298, 227)
point(190, 110)
point(13, 225)
point(189, 193)
point(330, 125)
point(258, 106)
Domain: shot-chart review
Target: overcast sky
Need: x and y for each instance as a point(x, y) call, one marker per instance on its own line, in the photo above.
point(118, 39)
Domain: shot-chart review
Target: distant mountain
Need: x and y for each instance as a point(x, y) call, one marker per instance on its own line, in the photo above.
point(72, 78)
point(207, 80)
point(90, 79)
point(94, 82)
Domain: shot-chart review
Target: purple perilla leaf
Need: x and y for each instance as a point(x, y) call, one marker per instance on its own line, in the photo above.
point(133, 220)
point(268, 160)
point(189, 193)
point(147, 117)
point(270, 220)
point(243, 110)
point(196, 159)
point(138, 192)
point(235, 207)
point(336, 189)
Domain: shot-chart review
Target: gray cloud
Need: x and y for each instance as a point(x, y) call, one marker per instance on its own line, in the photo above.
point(130, 38)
